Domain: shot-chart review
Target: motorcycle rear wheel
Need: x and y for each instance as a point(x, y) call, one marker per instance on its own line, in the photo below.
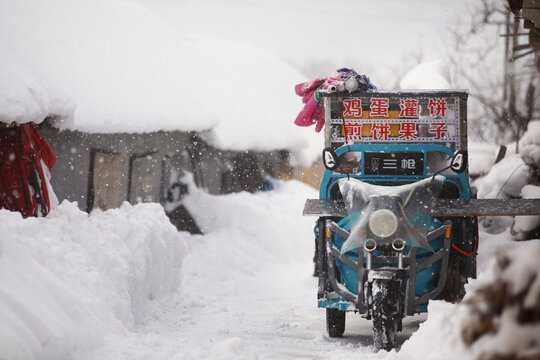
point(335, 322)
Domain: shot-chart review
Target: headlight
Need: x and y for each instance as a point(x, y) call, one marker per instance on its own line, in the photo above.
point(383, 223)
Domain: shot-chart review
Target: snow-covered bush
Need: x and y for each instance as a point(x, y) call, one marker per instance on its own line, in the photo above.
point(504, 308)
point(68, 279)
point(505, 179)
point(515, 176)
point(527, 226)
point(499, 318)
point(482, 156)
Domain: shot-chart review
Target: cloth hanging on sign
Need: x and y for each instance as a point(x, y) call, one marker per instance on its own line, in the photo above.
point(313, 111)
point(25, 162)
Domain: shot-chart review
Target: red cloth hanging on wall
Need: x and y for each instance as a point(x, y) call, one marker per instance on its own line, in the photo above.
point(24, 154)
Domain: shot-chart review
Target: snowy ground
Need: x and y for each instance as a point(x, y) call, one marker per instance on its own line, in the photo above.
point(251, 298)
point(269, 315)
point(243, 290)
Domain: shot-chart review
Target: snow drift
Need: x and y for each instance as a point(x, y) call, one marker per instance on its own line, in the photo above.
point(498, 318)
point(107, 285)
point(236, 280)
point(71, 282)
point(70, 278)
point(515, 176)
point(246, 232)
point(482, 157)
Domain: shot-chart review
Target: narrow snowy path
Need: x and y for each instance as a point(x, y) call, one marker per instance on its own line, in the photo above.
point(273, 315)
point(246, 293)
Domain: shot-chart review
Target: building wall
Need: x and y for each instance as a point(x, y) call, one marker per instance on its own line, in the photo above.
point(143, 167)
point(221, 172)
point(143, 156)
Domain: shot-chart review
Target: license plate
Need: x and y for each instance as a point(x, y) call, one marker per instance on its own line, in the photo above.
point(398, 163)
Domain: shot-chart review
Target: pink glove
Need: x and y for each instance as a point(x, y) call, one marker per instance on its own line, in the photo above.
point(304, 117)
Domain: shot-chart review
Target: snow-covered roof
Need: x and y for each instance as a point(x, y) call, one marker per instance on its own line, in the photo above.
point(431, 74)
point(114, 66)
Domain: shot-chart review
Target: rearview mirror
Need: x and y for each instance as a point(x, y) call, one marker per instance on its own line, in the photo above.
point(459, 161)
point(330, 159)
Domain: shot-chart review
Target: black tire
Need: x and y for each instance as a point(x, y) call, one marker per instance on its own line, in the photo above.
point(385, 313)
point(335, 322)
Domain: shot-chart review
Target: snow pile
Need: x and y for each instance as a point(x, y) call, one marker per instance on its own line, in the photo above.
point(245, 283)
point(114, 66)
point(258, 230)
point(427, 75)
point(481, 158)
point(532, 135)
point(22, 97)
point(69, 279)
point(531, 153)
point(498, 318)
point(525, 224)
point(514, 177)
point(491, 244)
point(505, 180)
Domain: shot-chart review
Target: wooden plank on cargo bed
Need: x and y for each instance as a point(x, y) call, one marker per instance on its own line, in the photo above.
point(485, 207)
point(317, 207)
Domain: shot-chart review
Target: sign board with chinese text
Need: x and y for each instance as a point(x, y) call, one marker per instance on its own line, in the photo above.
point(404, 116)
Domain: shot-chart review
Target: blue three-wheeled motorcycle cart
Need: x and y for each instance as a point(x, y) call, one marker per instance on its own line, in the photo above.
point(381, 248)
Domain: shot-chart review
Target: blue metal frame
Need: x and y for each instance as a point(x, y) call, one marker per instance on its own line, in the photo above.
point(330, 178)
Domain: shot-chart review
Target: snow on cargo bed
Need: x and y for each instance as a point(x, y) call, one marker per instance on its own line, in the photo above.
point(70, 278)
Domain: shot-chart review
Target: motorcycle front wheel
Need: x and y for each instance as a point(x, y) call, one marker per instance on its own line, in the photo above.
point(385, 312)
